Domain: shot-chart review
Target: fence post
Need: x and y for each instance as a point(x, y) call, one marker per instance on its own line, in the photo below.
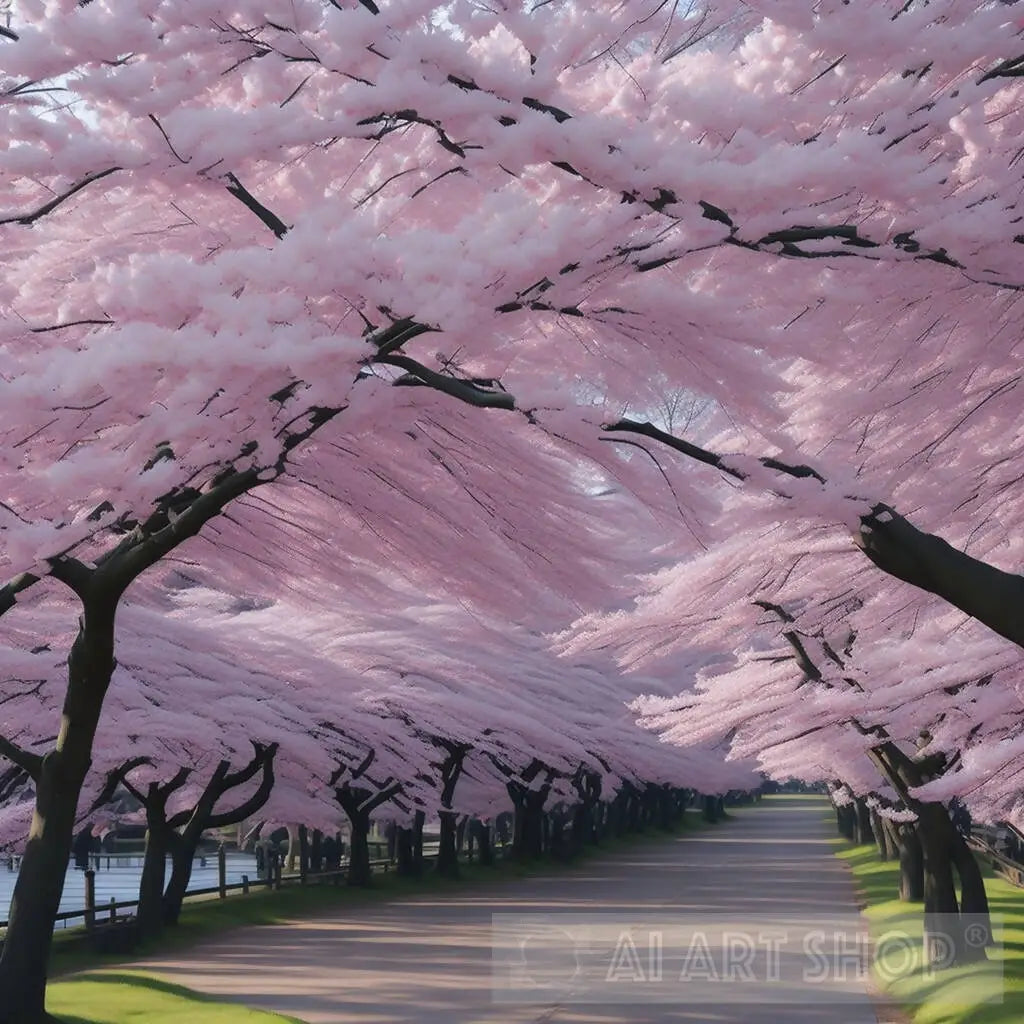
point(90, 899)
point(245, 885)
point(278, 865)
point(303, 854)
point(113, 908)
point(222, 871)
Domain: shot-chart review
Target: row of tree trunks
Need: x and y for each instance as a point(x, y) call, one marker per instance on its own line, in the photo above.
point(713, 808)
point(536, 830)
point(855, 821)
point(563, 831)
point(951, 924)
point(936, 868)
point(409, 847)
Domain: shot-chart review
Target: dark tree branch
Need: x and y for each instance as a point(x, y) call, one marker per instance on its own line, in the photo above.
point(193, 820)
point(464, 390)
point(138, 551)
point(75, 575)
point(924, 560)
point(9, 591)
point(116, 778)
point(47, 207)
point(28, 762)
point(394, 337)
point(243, 775)
point(897, 547)
point(71, 323)
point(709, 458)
point(263, 761)
point(244, 196)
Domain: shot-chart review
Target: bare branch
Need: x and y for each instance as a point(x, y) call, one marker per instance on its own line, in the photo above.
point(42, 211)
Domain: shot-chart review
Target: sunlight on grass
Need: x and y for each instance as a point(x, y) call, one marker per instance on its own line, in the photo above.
point(988, 993)
point(124, 997)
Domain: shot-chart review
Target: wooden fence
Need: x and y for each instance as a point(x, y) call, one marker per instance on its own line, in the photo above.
point(982, 843)
point(107, 913)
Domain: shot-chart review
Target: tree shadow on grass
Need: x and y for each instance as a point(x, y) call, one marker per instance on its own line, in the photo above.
point(153, 984)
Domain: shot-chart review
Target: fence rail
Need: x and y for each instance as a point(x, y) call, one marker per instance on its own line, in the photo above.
point(94, 912)
point(1009, 869)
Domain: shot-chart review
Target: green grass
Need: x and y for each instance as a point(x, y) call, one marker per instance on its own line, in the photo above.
point(132, 996)
point(988, 993)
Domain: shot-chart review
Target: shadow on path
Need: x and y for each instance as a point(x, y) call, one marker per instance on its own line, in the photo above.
point(428, 959)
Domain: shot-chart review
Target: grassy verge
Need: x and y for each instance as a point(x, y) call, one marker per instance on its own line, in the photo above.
point(988, 993)
point(131, 996)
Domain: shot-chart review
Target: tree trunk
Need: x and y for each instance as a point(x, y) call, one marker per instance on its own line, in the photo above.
point(942, 944)
point(316, 852)
point(451, 770)
point(863, 835)
point(447, 856)
point(37, 892)
point(911, 862)
point(582, 827)
point(151, 885)
point(359, 873)
point(183, 852)
point(482, 837)
point(947, 939)
point(559, 845)
point(586, 814)
point(303, 852)
point(417, 842)
point(974, 909)
point(631, 806)
point(881, 837)
point(358, 804)
point(405, 863)
point(973, 898)
point(710, 809)
point(291, 857)
point(618, 819)
point(528, 825)
point(666, 808)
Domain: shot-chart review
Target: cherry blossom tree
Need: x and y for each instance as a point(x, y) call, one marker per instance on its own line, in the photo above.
point(841, 685)
point(249, 238)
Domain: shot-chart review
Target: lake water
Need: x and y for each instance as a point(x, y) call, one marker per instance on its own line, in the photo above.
point(121, 881)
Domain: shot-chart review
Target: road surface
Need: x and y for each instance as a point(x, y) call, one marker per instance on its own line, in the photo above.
point(428, 960)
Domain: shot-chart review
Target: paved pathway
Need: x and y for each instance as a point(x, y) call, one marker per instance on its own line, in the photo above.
point(425, 960)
